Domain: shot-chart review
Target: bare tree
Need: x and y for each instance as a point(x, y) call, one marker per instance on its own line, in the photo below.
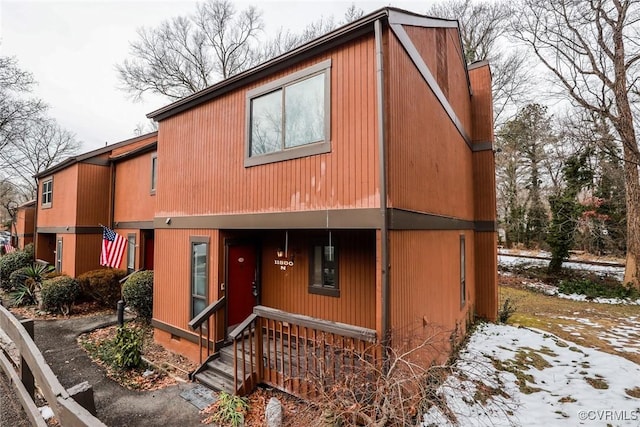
point(39, 147)
point(186, 54)
point(484, 28)
point(591, 49)
point(16, 109)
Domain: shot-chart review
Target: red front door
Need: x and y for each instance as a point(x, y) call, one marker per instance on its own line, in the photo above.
point(148, 251)
point(241, 282)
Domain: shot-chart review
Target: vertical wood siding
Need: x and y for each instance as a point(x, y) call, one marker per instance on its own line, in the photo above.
point(482, 103)
point(201, 151)
point(430, 166)
point(94, 185)
point(24, 225)
point(87, 251)
point(445, 50)
point(133, 198)
point(485, 190)
point(172, 274)
point(425, 281)
point(289, 290)
point(486, 272)
point(65, 198)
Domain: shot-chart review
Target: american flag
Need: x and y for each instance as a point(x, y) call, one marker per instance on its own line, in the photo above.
point(113, 246)
point(8, 248)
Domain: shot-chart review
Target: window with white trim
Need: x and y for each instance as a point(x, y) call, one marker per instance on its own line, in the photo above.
point(47, 193)
point(289, 118)
point(154, 172)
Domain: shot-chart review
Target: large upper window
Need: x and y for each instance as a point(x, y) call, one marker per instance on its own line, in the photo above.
point(47, 193)
point(289, 118)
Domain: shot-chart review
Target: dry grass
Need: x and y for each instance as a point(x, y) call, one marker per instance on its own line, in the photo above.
point(559, 316)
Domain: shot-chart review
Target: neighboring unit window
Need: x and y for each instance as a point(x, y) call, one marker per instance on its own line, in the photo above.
point(463, 272)
point(199, 275)
point(324, 270)
point(131, 253)
point(289, 118)
point(154, 172)
point(47, 193)
point(59, 255)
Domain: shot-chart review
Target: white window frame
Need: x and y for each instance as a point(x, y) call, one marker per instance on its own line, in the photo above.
point(47, 195)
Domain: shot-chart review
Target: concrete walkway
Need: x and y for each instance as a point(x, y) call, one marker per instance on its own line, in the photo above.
point(116, 405)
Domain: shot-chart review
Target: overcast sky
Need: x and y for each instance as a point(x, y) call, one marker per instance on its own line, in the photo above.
point(72, 47)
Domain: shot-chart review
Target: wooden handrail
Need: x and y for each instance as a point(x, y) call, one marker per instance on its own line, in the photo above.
point(242, 326)
point(197, 321)
point(66, 409)
point(349, 331)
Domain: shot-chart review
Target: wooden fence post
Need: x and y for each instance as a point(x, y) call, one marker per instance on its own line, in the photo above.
point(25, 372)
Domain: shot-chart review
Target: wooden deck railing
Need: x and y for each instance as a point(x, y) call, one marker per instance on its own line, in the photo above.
point(297, 353)
point(199, 321)
point(247, 350)
point(67, 410)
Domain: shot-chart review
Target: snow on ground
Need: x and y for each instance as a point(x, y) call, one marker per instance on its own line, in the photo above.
point(528, 377)
point(507, 261)
point(603, 270)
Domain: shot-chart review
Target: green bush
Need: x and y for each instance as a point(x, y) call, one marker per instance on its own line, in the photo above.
point(507, 309)
point(30, 250)
point(17, 278)
point(59, 293)
point(27, 283)
point(102, 286)
point(128, 345)
point(592, 289)
point(12, 262)
point(138, 293)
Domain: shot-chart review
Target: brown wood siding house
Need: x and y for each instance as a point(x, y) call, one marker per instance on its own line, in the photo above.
point(135, 173)
point(350, 181)
point(74, 198)
point(25, 216)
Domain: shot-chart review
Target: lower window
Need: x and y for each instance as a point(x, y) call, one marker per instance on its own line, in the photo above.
point(199, 276)
point(323, 268)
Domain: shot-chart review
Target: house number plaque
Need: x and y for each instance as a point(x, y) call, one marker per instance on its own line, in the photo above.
point(283, 263)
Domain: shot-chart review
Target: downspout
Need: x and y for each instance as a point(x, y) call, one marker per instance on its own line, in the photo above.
point(35, 220)
point(384, 232)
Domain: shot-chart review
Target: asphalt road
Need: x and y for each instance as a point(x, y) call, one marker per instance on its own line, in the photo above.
point(116, 406)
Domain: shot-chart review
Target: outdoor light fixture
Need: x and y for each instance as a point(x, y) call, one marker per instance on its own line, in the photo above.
point(284, 253)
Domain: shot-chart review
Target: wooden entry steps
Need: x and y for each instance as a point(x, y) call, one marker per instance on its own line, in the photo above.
point(217, 372)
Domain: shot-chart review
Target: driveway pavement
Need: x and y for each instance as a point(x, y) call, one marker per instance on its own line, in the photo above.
point(116, 405)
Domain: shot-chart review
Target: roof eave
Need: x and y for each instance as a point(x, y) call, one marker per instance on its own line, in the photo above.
point(98, 152)
point(323, 43)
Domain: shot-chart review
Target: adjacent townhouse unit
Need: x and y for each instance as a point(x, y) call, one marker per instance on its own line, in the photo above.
point(341, 192)
point(76, 197)
point(25, 216)
point(134, 189)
